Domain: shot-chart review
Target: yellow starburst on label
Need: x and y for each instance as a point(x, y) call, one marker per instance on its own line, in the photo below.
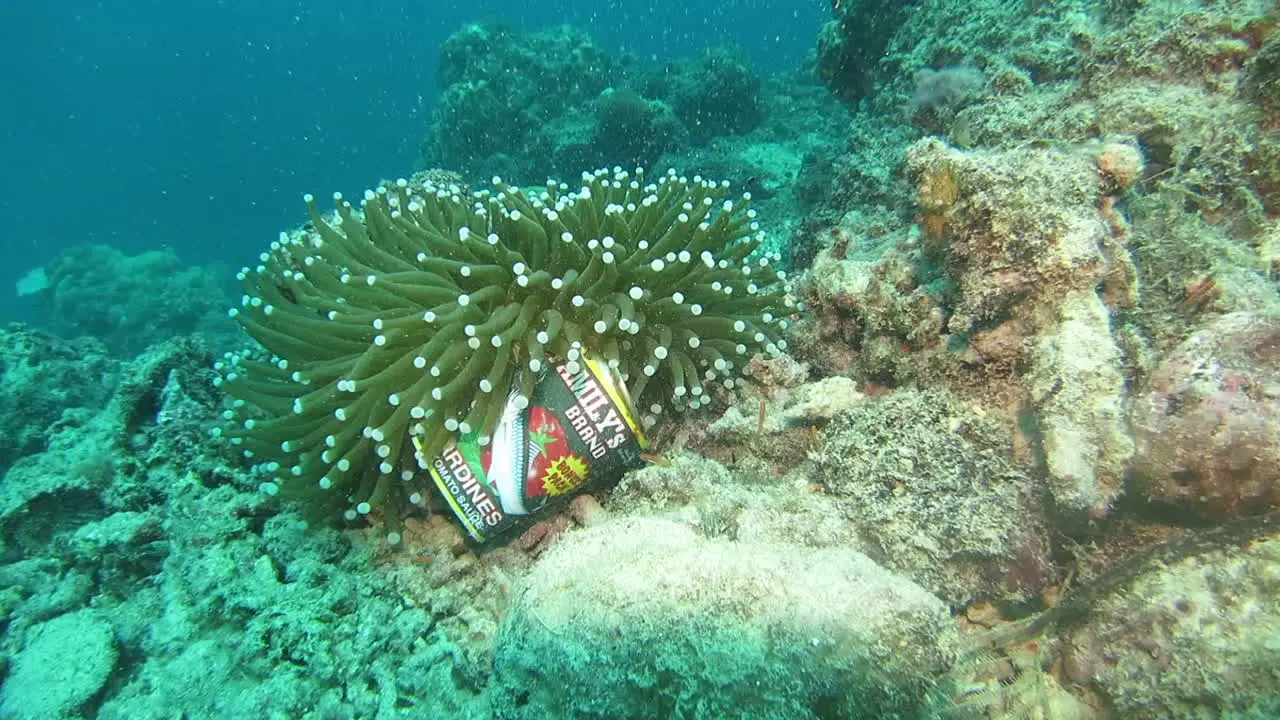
point(564, 474)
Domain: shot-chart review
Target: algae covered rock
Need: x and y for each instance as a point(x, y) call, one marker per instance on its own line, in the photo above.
point(642, 618)
point(929, 488)
point(1194, 638)
point(65, 662)
point(748, 503)
point(1208, 427)
point(1036, 251)
point(1077, 389)
point(47, 382)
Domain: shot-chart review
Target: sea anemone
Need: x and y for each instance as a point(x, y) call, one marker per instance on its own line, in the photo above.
point(393, 329)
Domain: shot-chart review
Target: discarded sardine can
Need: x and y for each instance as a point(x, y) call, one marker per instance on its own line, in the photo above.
point(576, 432)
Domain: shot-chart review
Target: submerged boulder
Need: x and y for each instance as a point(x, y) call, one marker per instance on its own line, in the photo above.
point(643, 618)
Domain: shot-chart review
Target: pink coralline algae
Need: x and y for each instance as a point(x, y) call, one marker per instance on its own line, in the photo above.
point(1208, 428)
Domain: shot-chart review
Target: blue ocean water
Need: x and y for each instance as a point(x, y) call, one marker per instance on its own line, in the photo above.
point(198, 125)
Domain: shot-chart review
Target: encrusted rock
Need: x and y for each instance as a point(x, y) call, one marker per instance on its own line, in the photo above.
point(1208, 426)
point(643, 618)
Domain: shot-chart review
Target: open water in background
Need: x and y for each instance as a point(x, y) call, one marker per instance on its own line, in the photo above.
point(198, 124)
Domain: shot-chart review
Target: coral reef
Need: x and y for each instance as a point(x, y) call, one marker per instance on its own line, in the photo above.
point(631, 130)
point(211, 597)
point(501, 88)
point(749, 503)
point(780, 423)
point(1159, 633)
point(131, 302)
point(940, 94)
point(851, 43)
point(527, 105)
point(208, 597)
point(716, 94)
point(1088, 258)
point(1014, 455)
point(1185, 84)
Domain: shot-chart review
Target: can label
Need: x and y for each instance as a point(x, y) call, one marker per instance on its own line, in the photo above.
point(577, 431)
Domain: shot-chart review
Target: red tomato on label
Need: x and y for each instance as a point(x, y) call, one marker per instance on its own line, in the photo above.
point(547, 443)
